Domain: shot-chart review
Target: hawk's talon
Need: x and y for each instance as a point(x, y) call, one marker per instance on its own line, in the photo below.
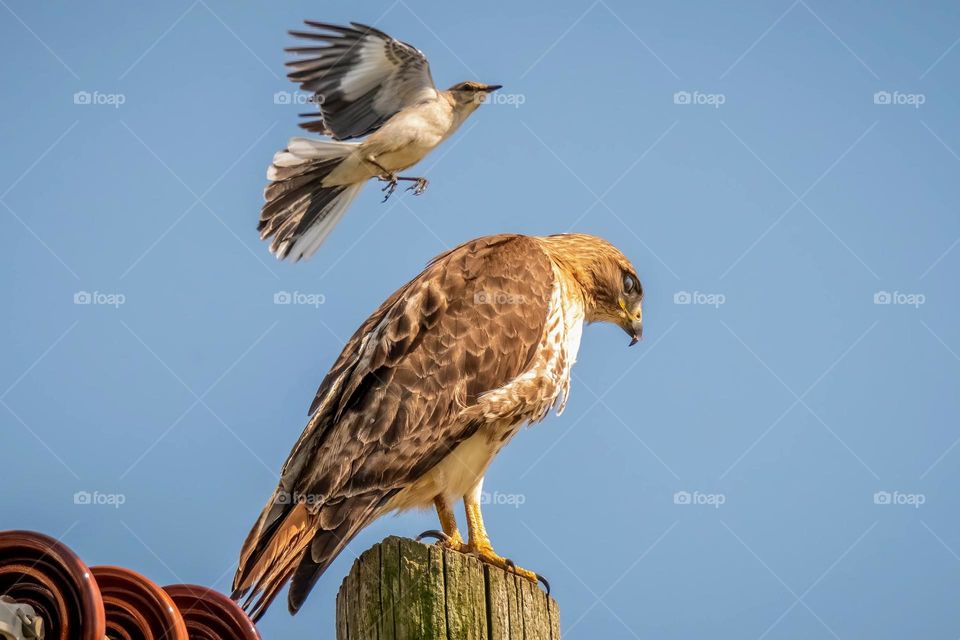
point(436, 534)
point(453, 542)
point(546, 585)
point(511, 567)
point(487, 555)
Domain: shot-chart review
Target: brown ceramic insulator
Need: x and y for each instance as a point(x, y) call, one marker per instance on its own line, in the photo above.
point(37, 570)
point(210, 615)
point(137, 608)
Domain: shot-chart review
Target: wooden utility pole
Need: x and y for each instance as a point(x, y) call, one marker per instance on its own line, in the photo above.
point(405, 590)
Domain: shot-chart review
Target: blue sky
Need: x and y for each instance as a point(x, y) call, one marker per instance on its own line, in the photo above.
point(777, 459)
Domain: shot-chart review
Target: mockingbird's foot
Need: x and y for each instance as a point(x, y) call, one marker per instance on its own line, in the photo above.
point(419, 185)
point(391, 186)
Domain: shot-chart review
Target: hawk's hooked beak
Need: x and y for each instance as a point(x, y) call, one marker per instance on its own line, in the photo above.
point(636, 332)
point(633, 322)
point(490, 88)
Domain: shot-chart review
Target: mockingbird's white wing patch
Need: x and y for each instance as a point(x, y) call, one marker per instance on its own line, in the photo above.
point(360, 77)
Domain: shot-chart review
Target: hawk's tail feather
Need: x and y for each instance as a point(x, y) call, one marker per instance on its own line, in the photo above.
point(270, 553)
point(327, 545)
point(300, 211)
point(296, 543)
point(258, 602)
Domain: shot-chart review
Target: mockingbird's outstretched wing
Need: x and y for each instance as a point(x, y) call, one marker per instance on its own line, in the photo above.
point(360, 77)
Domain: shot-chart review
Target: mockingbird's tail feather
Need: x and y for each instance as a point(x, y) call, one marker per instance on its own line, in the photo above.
point(300, 211)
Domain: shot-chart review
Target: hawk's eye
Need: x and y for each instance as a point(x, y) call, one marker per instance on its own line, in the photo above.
point(629, 283)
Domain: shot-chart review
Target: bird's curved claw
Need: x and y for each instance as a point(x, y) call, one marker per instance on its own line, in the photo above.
point(419, 186)
point(512, 565)
point(435, 534)
point(546, 585)
point(390, 187)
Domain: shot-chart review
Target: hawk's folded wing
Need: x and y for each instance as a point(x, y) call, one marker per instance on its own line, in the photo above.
point(468, 324)
point(360, 77)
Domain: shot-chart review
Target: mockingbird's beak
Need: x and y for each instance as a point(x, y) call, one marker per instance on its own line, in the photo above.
point(490, 88)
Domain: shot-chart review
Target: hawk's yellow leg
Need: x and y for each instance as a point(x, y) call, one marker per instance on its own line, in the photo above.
point(448, 521)
point(479, 544)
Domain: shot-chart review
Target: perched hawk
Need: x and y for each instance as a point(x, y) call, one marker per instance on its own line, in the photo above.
point(365, 83)
point(425, 394)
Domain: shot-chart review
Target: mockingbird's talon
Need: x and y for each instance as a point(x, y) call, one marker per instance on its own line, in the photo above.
point(419, 186)
point(390, 187)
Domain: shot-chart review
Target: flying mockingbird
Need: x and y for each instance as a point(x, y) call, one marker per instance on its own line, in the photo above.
point(364, 82)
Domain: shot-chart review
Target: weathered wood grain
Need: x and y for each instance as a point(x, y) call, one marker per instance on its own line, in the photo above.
point(405, 590)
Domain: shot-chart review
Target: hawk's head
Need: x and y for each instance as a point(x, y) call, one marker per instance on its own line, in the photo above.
point(611, 289)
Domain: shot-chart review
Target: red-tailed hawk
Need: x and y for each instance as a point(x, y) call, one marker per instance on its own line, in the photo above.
point(425, 394)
